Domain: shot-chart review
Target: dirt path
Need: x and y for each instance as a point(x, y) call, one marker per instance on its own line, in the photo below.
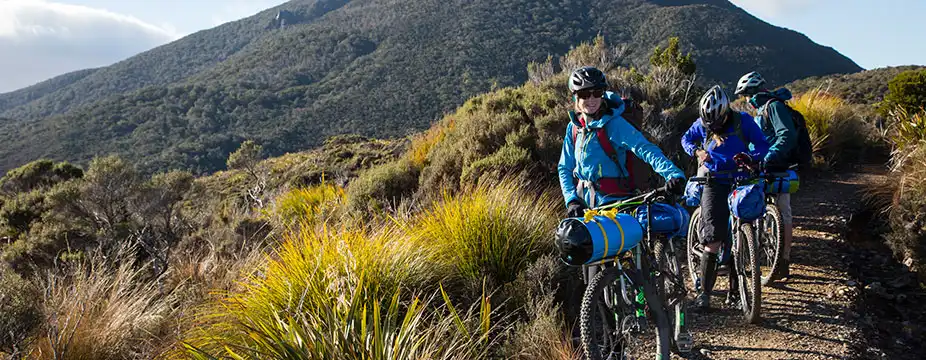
point(812, 315)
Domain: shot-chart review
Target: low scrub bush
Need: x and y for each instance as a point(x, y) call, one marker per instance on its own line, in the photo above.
point(19, 311)
point(383, 187)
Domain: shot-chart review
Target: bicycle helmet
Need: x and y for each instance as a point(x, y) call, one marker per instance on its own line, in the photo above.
point(586, 78)
point(749, 84)
point(713, 106)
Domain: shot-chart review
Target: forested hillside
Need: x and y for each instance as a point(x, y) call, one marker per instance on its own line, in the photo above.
point(373, 67)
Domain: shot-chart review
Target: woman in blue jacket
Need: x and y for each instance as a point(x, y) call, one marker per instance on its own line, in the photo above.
point(715, 139)
point(588, 176)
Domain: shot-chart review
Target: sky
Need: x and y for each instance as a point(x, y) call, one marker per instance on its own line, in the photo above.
point(40, 39)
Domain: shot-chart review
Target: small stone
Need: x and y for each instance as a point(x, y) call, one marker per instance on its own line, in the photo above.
point(908, 262)
point(705, 352)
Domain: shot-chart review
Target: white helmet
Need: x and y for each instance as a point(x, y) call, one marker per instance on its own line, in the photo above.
point(749, 83)
point(713, 106)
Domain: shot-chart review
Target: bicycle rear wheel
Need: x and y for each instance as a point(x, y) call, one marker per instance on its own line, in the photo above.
point(770, 246)
point(609, 325)
point(748, 273)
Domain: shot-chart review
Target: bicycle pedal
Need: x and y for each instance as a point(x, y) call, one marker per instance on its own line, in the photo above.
point(684, 342)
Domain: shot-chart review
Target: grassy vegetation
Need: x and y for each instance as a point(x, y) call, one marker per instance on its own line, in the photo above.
point(331, 293)
point(438, 247)
point(839, 131)
point(908, 209)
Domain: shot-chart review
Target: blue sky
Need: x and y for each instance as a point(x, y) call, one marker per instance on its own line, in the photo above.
point(873, 33)
point(40, 39)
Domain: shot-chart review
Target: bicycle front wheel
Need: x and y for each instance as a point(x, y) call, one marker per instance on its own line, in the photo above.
point(693, 255)
point(671, 286)
point(610, 326)
point(770, 245)
point(748, 273)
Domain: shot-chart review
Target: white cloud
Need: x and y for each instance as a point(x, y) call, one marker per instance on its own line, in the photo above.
point(40, 39)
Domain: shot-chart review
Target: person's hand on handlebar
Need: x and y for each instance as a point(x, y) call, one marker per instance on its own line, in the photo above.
point(675, 186)
point(744, 160)
point(575, 209)
point(703, 156)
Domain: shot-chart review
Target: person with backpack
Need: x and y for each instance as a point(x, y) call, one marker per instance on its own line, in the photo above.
point(595, 166)
point(787, 133)
point(717, 140)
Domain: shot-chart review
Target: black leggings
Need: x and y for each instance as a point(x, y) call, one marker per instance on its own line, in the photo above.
point(715, 213)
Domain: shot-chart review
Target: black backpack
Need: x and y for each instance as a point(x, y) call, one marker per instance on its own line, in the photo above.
point(802, 154)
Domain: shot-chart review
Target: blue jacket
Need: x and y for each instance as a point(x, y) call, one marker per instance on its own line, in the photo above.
point(722, 155)
point(586, 160)
point(774, 119)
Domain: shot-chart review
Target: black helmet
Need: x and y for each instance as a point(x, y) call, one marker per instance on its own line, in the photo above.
point(586, 78)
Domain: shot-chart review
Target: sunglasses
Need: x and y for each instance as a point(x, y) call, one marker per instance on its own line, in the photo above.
point(585, 94)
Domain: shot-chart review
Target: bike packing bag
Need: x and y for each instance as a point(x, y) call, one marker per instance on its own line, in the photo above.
point(669, 219)
point(783, 183)
point(693, 192)
point(603, 236)
point(747, 202)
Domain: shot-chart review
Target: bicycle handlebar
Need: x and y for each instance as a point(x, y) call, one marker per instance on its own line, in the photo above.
point(646, 198)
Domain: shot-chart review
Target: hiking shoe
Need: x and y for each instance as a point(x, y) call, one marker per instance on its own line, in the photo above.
point(701, 303)
point(783, 271)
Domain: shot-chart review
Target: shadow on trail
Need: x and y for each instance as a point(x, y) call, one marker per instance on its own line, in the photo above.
point(800, 317)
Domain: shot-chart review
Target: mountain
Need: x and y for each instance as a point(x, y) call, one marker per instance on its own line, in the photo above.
point(291, 76)
point(865, 87)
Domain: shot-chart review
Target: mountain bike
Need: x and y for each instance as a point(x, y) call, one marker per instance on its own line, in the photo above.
point(742, 248)
point(627, 291)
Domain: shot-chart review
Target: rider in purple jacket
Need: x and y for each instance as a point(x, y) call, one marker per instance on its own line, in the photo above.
point(715, 139)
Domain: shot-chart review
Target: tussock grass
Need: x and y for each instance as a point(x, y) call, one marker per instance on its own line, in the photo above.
point(422, 144)
point(302, 205)
point(374, 292)
point(342, 294)
point(494, 232)
point(837, 132)
point(908, 163)
point(104, 310)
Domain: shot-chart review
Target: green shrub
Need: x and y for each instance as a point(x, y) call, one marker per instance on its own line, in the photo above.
point(19, 310)
point(383, 186)
point(671, 57)
point(907, 90)
point(38, 174)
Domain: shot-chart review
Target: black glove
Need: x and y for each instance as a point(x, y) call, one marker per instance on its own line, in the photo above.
point(676, 185)
point(575, 209)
